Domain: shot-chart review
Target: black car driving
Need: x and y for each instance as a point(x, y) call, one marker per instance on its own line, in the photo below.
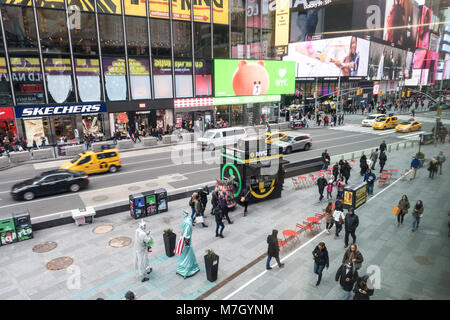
point(48, 183)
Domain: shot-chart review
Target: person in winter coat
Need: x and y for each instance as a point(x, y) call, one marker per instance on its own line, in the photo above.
point(374, 158)
point(330, 189)
point(415, 165)
point(417, 214)
point(363, 164)
point(433, 168)
point(325, 160)
point(218, 215)
point(383, 159)
point(354, 256)
point(198, 207)
point(370, 177)
point(273, 250)
point(383, 146)
point(440, 158)
point(351, 222)
point(214, 201)
point(338, 217)
point(329, 217)
point(363, 289)
point(224, 208)
point(321, 183)
point(340, 189)
point(347, 276)
point(203, 194)
point(321, 260)
point(335, 172)
point(403, 204)
point(246, 195)
point(346, 171)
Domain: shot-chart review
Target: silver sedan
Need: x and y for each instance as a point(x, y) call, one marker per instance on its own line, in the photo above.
point(294, 142)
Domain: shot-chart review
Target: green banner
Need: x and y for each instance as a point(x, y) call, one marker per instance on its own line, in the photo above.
point(253, 77)
point(245, 100)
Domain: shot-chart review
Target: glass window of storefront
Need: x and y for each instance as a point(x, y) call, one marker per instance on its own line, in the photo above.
point(222, 115)
point(182, 39)
point(93, 124)
point(160, 37)
point(238, 29)
point(202, 40)
point(84, 34)
point(140, 78)
point(137, 36)
point(88, 79)
point(53, 31)
point(115, 79)
point(162, 75)
point(64, 126)
point(203, 78)
point(27, 80)
point(58, 73)
point(37, 130)
point(111, 34)
point(20, 29)
point(221, 41)
point(253, 29)
point(183, 78)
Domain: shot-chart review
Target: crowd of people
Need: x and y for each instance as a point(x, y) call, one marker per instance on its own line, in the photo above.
point(12, 143)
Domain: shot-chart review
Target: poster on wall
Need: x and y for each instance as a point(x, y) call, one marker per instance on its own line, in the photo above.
point(59, 78)
point(253, 77)
point(115, 81)
point(387, 63)
point(140, 78)
point(368, 15)
point(342, 56)
point(34, 129)
point(92, 125)
point(88, 79)
point(423, 36)
point(282, 23)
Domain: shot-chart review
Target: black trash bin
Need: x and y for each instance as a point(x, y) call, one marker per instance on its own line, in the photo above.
point(8, 233)
point(150, 203)
point(137, 206)
point(22, 222)
point(211, 267)
point(161, 199)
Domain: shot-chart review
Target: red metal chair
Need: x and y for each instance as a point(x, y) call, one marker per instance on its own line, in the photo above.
point(299, 229)
point(303, 181)
point(297, 184)
point(319, 215)
point(281, 243)
point(308, 227)
point(381, 183)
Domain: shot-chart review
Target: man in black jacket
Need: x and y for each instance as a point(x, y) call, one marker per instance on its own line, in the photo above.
point(383, 146)
point(383, 159)
point(346, 275)
point(321, 183)
point(321, 260)
point(325, 160)
point(351, 222)
point(273, 250)
point(218, 214)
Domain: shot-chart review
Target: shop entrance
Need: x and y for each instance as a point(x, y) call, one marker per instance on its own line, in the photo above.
point(7, 129)
point(64, 126)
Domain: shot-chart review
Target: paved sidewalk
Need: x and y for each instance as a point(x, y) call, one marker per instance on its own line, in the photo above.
point(107, 272)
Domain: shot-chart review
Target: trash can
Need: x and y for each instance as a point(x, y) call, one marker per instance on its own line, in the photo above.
point(150, 203)
point(161, 198)
point(83, 215)
point(7, 231)
point(355, 195)
point(22, 223)
point(137, 205)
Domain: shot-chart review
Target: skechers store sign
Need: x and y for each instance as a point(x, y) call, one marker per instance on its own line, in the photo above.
point(58, 110)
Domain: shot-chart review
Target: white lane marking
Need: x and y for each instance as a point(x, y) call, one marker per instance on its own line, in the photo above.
point(301, 247)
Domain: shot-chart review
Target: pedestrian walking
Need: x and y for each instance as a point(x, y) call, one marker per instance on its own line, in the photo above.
point(374, 158)
point(363, 289)
point(441, 159)
point(273, 250)
point(382, 146)
point(129, 295)
point(321, 260)
point(351, 222)
point(340, 189)
point(338, 217)
point(214, 201)
point(321, 183)
point(192, 205)
point(403, 205)
point(325, 159)
point(433, 167)
point(415, 165)
point(137, 135)
point(370, 178)
point(417, 215)
point(329, 217)
point(335, 172)
point(347, 276)
point(354, 256)
point(218, 215)
point(244, 200)
point(198, 207)
point(224, 208)
point(330, 189)
point(203, 194)
point(346, 171)
point(363, 165)
point(382, 160)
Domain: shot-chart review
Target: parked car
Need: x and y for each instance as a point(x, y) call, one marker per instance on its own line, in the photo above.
point(48, 183)
point(95, 162)
point(371, 118)
point(294, 142)
point(220, 137)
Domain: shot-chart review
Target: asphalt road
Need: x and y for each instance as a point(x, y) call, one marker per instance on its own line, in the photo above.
point(159, 166)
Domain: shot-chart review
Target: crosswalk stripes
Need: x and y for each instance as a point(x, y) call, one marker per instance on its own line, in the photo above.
point(360, 129)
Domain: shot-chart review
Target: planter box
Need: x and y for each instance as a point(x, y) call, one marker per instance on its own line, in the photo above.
point(74, 150)
point(212, 268)
point(40, 154)
point(4, 162)
point(20, 156)
point(169, 244)
point(97, 146)
point(125, 144)
point(150, 141)
point(169, 139)
point(187, 137)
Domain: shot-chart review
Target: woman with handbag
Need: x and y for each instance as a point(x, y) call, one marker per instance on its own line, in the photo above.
point(354, 256)
point(417, 214)
point(329, 216)
point(403, 205)
point(244, 200)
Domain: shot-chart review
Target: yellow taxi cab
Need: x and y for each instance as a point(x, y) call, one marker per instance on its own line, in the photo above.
point(408, 126)
point(272, 137)
point(387, 122)
point(95, 162)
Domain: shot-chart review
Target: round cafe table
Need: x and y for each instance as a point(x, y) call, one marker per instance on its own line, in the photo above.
point(313, 219)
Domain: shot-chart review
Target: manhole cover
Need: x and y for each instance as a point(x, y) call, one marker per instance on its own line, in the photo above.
point(423, 260)
point(120, 242)
point(103, 229)
point(45, 247)
point(100, 198)
point(59, 263)
point(134, 188)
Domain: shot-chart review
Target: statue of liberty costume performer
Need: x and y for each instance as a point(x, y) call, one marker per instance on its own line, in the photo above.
point(187, 263)
point(142, 246)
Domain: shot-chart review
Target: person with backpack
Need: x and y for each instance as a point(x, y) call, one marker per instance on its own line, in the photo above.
point(338, 217)
point(273, 250)
point(321, 260)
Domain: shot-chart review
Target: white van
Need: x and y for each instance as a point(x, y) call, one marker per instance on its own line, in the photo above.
point(214, 138)
point(368, 122)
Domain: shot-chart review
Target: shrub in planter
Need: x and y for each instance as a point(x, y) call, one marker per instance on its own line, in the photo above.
point(169, 238)
point(211, 265)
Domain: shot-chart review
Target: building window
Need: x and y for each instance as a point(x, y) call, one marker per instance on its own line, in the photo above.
point(139, 78)
point(221, 40)
point(238, 29)
point(115, 79)
point(20, 29)
point(253, 29)
point(5, 92)
point(137, 36)
point(182, 39)
point(88, 79)
point(53, 31)
point(202, 40)
point(162, 75)
point(27, 80)
point(111, 34)
point(58, 74)
point(84, 34)
point(183, 78)
point(160, 37)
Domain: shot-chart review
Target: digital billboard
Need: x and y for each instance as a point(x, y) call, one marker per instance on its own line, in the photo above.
point(342, 56)
point(387, 63)
point(368, 15)
point(423, 36)
point(233, 77)
point(306, 24)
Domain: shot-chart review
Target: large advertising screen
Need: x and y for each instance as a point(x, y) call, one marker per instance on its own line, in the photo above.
point(423, 36)
point(368, 15)
point(342, 56)
point(253, 77)
point(398, 14)
point(387, 63)
point(306, 24)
